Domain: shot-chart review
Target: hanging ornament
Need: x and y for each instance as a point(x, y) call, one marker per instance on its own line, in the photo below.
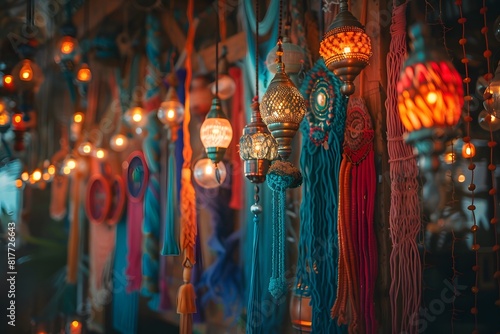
point(225, 83)
point(207, 175)
point(321, 94)
point(293, 56)
point(171, 111)
point(486, 120)
point(346, 48)
point(282, 107)
point(216, 132)
point(257, 147)
point(492, 95)
point(282, 175)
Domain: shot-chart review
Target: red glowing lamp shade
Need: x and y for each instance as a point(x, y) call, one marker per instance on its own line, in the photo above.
point(430, 92)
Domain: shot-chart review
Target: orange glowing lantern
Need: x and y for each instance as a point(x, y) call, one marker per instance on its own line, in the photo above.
point(84, 75)
point(8, 82)
point(301, 311)
point(468, 150)
point(430, 92)
point(26, 71)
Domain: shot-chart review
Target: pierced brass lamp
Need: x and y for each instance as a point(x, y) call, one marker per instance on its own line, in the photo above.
point(346, 48)
point(282, 107)
point(257, 147)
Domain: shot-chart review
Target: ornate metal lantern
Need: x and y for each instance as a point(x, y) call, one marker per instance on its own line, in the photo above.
point(257, 147)
point(346, 48)
point(282, 107)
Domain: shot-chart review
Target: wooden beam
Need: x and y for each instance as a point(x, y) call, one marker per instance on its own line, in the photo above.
point(236, 50)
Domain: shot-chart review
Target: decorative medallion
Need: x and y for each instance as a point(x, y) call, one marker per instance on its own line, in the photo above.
point(319, 93)
point(98, 199)
point(118, 198)
point(358, 131)
point(136, 175)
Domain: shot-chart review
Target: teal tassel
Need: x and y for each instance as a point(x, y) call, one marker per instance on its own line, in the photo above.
point(254, 297)
point(170, 243)
point(281, 176)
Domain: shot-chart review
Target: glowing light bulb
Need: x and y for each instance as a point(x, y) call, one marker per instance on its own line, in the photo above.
point(75, 324)
point(25, 176)
point(461, 178)
point(468, 150)
point(26, 72)
point(71, 163)
point(37, 175)
point(85, 148)
point(66, 170)
point(4, 116)
point(67, 47)
point(118, 142)
point(46, 176)
point(84, 74)
point(19, 183)
point(208, 170)
point(205, 174)
point(137, 116)
point(170, 114)
point(51, 170)
point(347, 49)
point(18, 118)
point(432, 97)
point(78, 117)
point(100, 153)
point(449, 158)
point(7, 80)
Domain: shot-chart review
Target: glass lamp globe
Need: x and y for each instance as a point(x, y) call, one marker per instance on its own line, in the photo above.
point(135, 116)
point(492, 95)
point(226, 88)
point(487, 121)
point(216, 132)
point(27, 75)
point(205, 173)
point(85, 148)
point(118, 142)
point(84, 75)
point(171, 111)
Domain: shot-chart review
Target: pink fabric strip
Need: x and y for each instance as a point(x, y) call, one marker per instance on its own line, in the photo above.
point(134, 237)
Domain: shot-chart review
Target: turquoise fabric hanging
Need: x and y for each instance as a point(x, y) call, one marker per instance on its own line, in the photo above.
point(268, 317)
point(323, 135)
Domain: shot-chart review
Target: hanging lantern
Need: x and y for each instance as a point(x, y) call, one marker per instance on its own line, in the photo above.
point(282, 107)
point(85, 148)
point(430, 92)
point(216, 132)
point(118, 142)
point(100, 153)
point(68, 51)
point(27, 75)
point(492, 95)
point(301, 311)
point(207, 175)
point(293, 56)
point(8, 82)
point(486, 120)
point(468, 150)
point(226, 84)
point(135, 116)
point(257, 147)
point(171, 111)
point(346, 48)
point(430, 99)
point(4, 117)
point(19, 128)
point(84, 75)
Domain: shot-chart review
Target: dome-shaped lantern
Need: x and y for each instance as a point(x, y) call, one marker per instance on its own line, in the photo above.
point(216, 132)
point(346, 48)
point(257, 147)
point(293, 56)
point(282, 107)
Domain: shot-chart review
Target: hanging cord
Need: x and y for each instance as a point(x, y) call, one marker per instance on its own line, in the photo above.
point(280, 20)
point(257, 50)
point(217, 38)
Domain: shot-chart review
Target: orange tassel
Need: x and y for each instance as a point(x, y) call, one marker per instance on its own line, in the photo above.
point(186, 301)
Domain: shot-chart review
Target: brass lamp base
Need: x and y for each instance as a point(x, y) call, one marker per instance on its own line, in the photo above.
point(256, 169)
point(283, 133)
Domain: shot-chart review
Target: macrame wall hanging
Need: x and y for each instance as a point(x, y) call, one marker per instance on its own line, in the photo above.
point(323, 135)
point(136, 176)
point(404, 215)
point(357, 267)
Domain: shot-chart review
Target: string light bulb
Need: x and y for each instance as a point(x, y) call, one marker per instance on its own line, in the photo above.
point(37, 175)
point(26, 71)
point(100, 153)
point(468, 150)
point(84, 75)
point(85, 148)
point(118, 142)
